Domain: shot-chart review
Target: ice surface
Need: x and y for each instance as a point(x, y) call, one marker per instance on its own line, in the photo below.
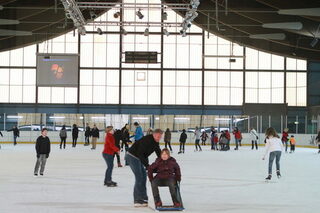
point(211, 182)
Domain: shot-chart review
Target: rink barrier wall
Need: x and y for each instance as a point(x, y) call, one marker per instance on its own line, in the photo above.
point(29, 137)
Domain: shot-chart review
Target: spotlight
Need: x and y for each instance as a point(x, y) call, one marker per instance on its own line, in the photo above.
point(183, 33)
point(93, 15)
point(164, 16)
point(194, 4)
point(166, 32)
point(123, 31)
point(99, 31)
point(117, 14)
point(139, 14)
point(146, 32)
point(314, 42)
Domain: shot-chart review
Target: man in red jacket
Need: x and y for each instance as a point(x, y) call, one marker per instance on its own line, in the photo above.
point(167, 174)
point(238, 136)
point(228, 136)
point(108, 154)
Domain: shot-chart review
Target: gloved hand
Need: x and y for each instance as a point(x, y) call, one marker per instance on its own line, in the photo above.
point(38, 155)
point(47, 155)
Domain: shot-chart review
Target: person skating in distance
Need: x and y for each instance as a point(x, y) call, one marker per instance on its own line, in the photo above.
point(137, 158)
point(110, 149)
point(1, 136)
point(16, 134)
point(274, 147)
point(167, 174)
point(43, 148)
point(318, 141)
point(167, 139)
point(182, 140)
point(254, 138)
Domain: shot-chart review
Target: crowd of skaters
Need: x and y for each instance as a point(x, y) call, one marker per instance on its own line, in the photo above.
point(165, 167)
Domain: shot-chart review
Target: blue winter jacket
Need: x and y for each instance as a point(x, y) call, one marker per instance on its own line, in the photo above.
point(138, 133)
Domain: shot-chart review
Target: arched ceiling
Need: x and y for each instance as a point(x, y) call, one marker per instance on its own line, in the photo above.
point(243, 18)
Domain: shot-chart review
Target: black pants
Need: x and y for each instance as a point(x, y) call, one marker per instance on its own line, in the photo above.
point(171, 183)
point(168, 143)
point(222, 146)
point(197, 144)
point(74, 141)
point(87, 140)
point(118, 158)
point(182, 144)
point(292, 147)
point(254, 143)
point(63, 140)
point(203, 142)
point(125, 145)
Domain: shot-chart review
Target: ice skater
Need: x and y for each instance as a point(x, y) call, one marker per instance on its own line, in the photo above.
point(167, 174)
point(214, 139)
point(228, 136)
point(197, 134)
point(125, 138)
point(238, 137)
point(87, 135)
point(292, 144)
point(117, 137)
point(274, 147)
point(318, 141)
point(204, 138)
point(137, 158)
point(223, 141)
point(75, 135)
point(254, 138)
point(16, 134)
point(95, 133)
point(1, 136)
point(43, 148)
point(138, 134)
point(167, 139)
point(110, 149)
point(182, 140)
point(284, 138)
point(63, 137)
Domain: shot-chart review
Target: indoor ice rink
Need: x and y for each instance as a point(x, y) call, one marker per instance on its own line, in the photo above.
point(102, 102)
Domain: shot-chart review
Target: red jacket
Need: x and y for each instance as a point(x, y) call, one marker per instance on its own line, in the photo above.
point(165, 169)
point(237, 134)
point(284, 136)
point(110, 145)
point(228, 135)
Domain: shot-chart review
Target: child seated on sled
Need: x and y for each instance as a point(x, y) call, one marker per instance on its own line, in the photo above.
point(167, 174)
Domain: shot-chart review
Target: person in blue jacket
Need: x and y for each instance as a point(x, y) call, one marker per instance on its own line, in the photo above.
point(138, 133)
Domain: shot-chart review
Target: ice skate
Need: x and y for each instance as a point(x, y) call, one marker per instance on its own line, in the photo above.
point(278, 174)
point(268, 178)
point(158, 204)
point(111, 184)
point(142, 204)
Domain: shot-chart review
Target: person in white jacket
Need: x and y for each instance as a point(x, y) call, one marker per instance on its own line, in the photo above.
point(254, 138)
point(274, 147)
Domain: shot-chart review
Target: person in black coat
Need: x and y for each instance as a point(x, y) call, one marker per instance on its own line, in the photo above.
point(137, 158)
point(1, 136)
point(43, 148)
point(117, 137)
point(75, 134)
point(95, 135)
point(16, 133)
point(87, 135)
point(182, 140)
point(125, 138)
